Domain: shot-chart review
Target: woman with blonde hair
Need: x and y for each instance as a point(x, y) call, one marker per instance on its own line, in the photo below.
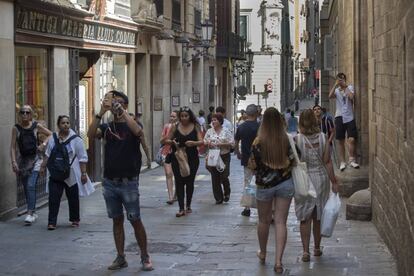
point(272, 159)
point(314, 149)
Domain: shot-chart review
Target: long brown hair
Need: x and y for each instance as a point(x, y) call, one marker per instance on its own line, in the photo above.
point(274, 142)
point(308, 123)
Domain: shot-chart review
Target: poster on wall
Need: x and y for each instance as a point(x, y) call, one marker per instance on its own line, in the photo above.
point(175, 101)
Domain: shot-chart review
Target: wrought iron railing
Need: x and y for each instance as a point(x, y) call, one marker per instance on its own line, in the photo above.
point(230, 45)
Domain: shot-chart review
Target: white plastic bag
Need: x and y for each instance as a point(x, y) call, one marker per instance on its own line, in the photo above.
point(249, 197)
point(213, 157)
point(330, 214)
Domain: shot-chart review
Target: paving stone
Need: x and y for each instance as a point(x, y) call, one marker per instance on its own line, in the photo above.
point(213, 240)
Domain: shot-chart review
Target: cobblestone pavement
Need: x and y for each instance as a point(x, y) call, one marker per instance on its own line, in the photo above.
point(213, 240)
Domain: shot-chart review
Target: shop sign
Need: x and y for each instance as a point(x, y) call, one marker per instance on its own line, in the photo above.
point(43, 23)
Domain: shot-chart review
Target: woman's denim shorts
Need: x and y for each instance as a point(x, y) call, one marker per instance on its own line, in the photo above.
point(284, 189)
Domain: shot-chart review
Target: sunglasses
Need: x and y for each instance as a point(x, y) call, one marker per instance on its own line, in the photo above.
point(185, 108)
point(25, 112)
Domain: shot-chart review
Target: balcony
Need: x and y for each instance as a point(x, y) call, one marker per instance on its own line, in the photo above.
point(230, 45)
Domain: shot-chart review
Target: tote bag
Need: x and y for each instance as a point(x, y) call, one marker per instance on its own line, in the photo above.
point(213, 157)
point(301, 180)
point(182, 159)
point(330, 215)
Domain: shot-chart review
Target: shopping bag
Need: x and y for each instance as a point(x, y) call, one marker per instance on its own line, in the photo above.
point(330, 214)
point(301, 180)
point(249, 197)
point(213, 157)
point(182, 160)
point(160, 157)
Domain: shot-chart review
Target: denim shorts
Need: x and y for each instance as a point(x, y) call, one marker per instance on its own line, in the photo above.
point(284, 189)
point(120, 194)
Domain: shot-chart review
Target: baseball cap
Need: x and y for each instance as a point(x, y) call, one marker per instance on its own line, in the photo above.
point(251, 110)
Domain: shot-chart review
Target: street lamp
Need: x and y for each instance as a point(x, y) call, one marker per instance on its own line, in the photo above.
point(207, 33)
point(249, 55)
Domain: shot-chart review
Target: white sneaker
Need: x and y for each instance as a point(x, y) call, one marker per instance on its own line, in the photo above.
point(342, 166)
point(29, 219)
point(34, 217)
point(354, 164)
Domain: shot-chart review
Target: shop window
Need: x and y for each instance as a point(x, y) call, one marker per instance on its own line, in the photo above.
point(32, 81)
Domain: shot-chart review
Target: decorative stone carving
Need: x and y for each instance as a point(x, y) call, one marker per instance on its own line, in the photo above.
point(143, 10)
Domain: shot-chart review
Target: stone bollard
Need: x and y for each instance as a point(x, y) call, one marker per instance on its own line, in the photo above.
point(352, 180)
point(358, 206)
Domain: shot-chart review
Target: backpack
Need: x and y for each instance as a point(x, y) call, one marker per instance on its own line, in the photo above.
point(27, 140)
point(58, 163)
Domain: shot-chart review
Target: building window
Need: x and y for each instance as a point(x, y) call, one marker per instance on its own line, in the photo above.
point(31, 81)
point(243, 27)
point(159, 4)
point(197, 22)
point(176, 15)
point(120, 73)
point(123, 8)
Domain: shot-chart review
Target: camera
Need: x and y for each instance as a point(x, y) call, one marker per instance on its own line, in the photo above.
point(117, 108)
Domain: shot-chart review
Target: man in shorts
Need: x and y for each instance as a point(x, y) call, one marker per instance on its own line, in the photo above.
point(345, 127)
point(121, 167)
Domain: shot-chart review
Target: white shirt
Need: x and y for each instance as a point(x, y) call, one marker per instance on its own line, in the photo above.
point(202, 122)
point(227, 124)
point(344, 106)
point(74, 147)
point(224, 136)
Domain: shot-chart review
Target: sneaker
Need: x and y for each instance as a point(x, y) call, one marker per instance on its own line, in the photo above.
point(118, 263)
point(343, 166)
point(147, 264)
point(246, 213)
point(34, 217)
point(29, 219)
point(354, 164)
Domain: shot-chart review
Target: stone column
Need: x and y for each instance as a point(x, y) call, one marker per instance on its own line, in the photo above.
point(8, 187)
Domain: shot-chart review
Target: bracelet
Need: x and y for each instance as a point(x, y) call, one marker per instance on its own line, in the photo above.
point(98, 117)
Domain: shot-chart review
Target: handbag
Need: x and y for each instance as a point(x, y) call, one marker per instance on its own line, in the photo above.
point(330, 215)
point(213, 157)
point(249, 197)
point(160, 157)
point(301, 180)
point(182, 159)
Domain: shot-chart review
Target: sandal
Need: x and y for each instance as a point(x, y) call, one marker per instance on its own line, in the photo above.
point(317, 252)
point(180, 213)
point(306, 257)
point(261, 256)
point(170, 202)
point(51, 227)
point(278, 268)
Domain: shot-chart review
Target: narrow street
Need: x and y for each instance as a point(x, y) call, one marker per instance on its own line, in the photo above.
point(213, 240)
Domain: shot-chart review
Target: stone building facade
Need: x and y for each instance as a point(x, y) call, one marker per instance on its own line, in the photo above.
point(371, 41)
point(62, 56)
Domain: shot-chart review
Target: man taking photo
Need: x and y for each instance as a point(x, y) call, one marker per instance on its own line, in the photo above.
point(121, 167)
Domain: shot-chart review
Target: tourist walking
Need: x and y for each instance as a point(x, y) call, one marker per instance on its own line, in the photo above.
point(226, 123)
point(345, 126)
point(314, 150)
point(167, 155)
point(186, 134)
point(26, 152)
point(221, 139)
point(121, 182)
point(203, 128)
point(272, 160)
point(66, 161)
point(245, 135)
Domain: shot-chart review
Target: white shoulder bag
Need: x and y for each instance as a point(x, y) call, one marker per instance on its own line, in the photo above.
point(301, 180)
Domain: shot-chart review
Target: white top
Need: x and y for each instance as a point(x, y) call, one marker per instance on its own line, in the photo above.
point(202, 122)
point(224, 136)
point(344, 106)
point(74, 147)
point(227, 124)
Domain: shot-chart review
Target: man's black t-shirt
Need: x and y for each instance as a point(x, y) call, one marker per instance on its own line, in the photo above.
point(246, 133)
point(122, 151)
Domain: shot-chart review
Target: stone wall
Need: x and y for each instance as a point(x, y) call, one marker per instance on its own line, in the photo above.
point(391, 126)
